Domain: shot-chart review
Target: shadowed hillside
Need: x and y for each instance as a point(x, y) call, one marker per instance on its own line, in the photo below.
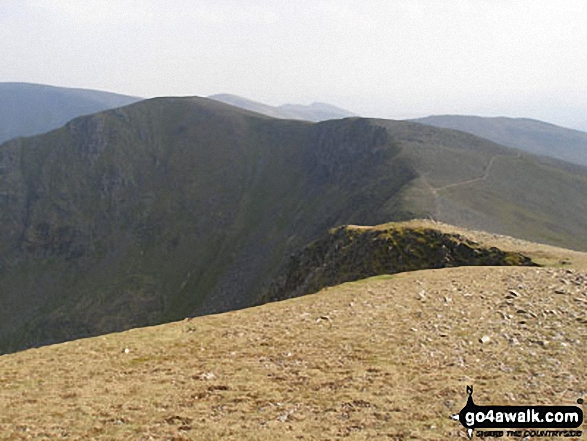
point(186, 206)
point(30, 109)
point(526, 134)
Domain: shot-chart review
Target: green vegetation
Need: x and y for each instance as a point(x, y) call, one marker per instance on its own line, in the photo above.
point(470, 182)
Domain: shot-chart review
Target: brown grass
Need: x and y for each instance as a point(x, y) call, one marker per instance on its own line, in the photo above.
point(384, 358)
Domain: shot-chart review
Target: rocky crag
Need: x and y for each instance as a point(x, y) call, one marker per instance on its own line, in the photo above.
point(350, 253)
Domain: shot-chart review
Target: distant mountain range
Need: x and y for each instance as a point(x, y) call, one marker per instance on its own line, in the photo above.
point(30, 109)
point(173, 207)
point(313, 112)
point(526, 134)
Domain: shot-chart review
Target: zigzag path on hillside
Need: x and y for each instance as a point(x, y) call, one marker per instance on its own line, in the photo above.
point(485, 175)
point(486, 171)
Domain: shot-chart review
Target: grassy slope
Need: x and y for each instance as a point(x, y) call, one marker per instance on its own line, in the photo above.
point(526, 134)
point(172, 207)
point(386, 357)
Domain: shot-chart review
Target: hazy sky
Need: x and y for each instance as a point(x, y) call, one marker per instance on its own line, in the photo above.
point(388, 58)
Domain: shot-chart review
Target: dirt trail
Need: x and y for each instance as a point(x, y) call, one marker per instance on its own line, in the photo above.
point(486, 171)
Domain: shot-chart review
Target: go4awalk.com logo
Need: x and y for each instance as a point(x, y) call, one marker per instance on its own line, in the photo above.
point(520, 421)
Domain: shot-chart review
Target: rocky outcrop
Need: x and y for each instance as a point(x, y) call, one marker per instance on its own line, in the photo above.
point(350, 253)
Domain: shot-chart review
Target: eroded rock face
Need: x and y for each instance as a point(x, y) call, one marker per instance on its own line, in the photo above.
point(351, 253)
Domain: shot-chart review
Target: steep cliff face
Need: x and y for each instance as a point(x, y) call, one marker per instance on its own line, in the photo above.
point(351, 253)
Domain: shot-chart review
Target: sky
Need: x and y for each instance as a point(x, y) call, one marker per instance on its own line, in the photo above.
point(380, 58)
